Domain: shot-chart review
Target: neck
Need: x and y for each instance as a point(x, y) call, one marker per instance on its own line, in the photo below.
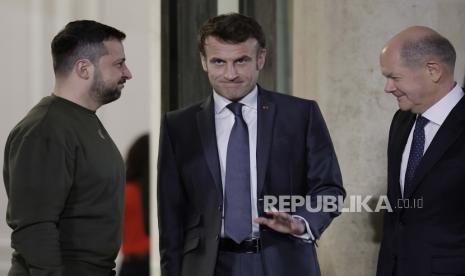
point(75, 94)
point(445, 88)
point(441, 91)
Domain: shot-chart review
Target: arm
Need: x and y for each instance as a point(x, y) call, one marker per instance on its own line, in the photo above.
point(170, 207)
point(323, 178)
point(323, 172)
point(38, 179)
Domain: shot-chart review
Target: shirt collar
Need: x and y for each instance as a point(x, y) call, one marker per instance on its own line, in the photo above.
point(250, 100)
point(438, 112)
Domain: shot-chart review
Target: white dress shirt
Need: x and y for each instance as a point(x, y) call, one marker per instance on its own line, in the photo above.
point(436, 115)
point(224, 121)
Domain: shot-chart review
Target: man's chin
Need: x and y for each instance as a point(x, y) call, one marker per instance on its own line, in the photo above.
point(232, 94)
point(405, 107)
point(110, 97)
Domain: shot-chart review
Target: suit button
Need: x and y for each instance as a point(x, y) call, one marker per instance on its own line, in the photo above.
point(217, 237)
point(220, 207)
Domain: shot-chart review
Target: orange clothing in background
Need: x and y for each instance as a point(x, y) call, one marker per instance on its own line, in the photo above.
point(135, 240)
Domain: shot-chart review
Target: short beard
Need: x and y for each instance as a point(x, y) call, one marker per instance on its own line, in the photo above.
point(102, 93)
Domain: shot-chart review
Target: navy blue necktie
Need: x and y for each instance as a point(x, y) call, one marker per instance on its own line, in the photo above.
point(416, 150)
point(237, 203)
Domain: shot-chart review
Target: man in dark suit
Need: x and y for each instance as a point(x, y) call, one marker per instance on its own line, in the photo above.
point(425, 233)
point(221, 157)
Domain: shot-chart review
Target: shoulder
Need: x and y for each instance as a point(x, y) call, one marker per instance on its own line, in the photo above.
point(402, 117)
point(188, 113)
point(282, 97)
point(45, 121)
point(400, 120)
point(288, 103)
point(285, 99)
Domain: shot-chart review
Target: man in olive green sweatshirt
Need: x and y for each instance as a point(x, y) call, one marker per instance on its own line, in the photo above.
point(63, 174)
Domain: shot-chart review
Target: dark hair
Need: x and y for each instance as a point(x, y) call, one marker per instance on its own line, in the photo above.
point(137, 160)
point(233, 28)
point(82, 39)
point(415, 52)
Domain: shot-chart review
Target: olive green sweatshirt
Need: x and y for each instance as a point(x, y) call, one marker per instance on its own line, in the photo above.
point(64, 178)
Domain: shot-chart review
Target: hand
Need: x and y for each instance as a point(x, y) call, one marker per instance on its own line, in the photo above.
point(282, 222)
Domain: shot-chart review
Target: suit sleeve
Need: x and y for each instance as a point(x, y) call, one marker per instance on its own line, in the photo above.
point(323, 173)
point(170, 206)
point(39, 176)
point(391, 139)
point(392, 129)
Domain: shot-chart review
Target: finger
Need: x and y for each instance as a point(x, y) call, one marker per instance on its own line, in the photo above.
point(272, 210)
point(263, 221)
point(280, 215)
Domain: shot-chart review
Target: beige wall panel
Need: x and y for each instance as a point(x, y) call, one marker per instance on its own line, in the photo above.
point(336, 46)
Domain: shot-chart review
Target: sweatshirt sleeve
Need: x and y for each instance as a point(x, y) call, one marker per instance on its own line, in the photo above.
point(39, 175)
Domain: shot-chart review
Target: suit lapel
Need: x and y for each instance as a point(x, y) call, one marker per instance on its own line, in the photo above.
point(400, 135)
point(447, 134)
point(265, 119)
point(206, 125)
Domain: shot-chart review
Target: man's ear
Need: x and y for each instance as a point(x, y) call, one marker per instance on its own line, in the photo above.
point(435, 70)
point(261, 58)
point(84, 68)
point(204, 62)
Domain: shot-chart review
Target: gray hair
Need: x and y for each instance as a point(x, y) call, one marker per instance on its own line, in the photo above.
point(415, 53)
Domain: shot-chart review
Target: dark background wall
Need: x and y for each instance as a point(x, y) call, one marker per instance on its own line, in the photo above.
point(183, 80)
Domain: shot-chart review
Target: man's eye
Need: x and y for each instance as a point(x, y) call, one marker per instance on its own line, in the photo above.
point(241, 61)
point(218, 62)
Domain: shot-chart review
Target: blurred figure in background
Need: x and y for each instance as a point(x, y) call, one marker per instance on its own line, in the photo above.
point(135, 234)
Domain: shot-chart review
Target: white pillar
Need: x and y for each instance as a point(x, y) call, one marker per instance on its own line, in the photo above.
point(155, 116)
point(36, 51)
point(227, 6)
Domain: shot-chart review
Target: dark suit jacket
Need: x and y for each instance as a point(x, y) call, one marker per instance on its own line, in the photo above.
point(295, 156)
point(428, 240)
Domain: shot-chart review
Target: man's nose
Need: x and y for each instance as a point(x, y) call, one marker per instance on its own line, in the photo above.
point(389, 87)
point(231, 72)
point(127, 73)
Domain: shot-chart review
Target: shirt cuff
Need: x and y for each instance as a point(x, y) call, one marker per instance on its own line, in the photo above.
point(308, 235)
